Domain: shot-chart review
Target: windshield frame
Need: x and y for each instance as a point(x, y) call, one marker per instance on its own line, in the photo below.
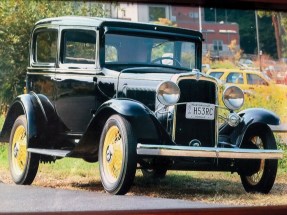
point(155, 34)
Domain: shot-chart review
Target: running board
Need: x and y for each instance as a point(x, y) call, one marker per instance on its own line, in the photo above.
point(51, 152)
point(207, 152)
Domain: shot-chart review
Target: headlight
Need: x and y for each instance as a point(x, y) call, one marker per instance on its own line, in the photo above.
point(168, 93)
point(233, 97)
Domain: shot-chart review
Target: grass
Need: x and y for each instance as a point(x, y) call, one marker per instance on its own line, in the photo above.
point(3, 156)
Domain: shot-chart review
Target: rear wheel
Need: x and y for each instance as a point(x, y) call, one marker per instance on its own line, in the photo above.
point(117, 155)
point(262, 173)
point(23, 165)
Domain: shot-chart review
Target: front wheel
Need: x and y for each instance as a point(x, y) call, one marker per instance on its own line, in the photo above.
point(262, 173)
point(22, 164)
point(117, 155)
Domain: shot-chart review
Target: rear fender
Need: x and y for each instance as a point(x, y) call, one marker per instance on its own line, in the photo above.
point(250, 117)
point(22, 105)
point(145, 125)
point(38, 111)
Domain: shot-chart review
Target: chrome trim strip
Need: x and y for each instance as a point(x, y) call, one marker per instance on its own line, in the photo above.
point(207, 152)
point(51, 152)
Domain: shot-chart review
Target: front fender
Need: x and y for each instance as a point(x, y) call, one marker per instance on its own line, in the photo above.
point(144, 122)
point(145, 125)
point(249, 117)
point(259, 115)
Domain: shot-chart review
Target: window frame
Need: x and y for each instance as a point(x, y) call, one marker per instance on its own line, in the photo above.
point(33, 44)
point(78, 65)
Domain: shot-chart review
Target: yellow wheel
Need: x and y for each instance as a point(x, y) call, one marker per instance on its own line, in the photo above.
point(258, 175)
point(19, 150)
point(117, 155)
point(23, 165)
point(113, 151)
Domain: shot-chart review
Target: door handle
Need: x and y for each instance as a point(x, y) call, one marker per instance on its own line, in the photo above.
point(56, 79)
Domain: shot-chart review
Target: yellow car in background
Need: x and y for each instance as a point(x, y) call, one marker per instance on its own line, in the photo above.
point(250, 81)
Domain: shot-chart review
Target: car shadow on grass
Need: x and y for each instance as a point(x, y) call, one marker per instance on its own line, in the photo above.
point(185, 185)
point(89, 186)
point(201, 186)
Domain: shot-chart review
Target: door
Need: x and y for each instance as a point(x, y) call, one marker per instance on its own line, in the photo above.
point(75, 88)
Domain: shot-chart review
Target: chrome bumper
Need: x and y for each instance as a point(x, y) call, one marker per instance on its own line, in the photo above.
point(207, 152)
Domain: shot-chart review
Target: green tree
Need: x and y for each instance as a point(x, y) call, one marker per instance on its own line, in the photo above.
point(247, 29)
point(276, 23)
point(17, 18)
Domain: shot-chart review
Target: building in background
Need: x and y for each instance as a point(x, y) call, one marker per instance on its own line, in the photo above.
point(217, 35)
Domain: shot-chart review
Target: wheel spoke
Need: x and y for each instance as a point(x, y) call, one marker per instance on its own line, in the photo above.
point(256, 177)
point(113, 151)
point(19, 147)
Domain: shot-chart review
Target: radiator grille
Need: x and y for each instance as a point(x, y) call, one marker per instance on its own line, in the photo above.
point(189, 129)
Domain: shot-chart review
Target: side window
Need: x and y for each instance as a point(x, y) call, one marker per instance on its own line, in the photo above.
point(254, 79)
point(235, 78)
point(216, 74)
point(45, 46)
point(78, 46)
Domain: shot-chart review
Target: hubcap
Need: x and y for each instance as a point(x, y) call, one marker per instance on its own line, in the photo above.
point(113, 154)
point(256, 177)
point(19, 150)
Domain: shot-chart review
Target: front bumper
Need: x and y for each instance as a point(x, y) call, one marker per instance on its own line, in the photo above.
point(207, 152)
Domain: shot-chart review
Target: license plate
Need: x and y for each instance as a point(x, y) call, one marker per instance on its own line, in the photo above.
point(199, 110)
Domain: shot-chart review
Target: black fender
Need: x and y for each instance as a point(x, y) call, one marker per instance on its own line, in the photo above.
point(39, 112)
point(250, 117)
point(144, 123)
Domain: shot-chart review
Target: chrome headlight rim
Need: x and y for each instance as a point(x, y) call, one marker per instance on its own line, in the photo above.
point(168, 93)
point(227, 98)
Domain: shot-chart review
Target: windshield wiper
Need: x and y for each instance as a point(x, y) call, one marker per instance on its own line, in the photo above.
point(160, 44)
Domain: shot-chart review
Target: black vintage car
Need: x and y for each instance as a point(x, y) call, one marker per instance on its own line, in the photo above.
point(131, 95)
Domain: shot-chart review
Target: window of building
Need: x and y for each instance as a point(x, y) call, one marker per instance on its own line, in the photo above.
point(156, 12)
point(193, 15)
point(217, 45)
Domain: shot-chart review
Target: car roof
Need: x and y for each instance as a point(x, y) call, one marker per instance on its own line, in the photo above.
point(235, 70)
point(77, 20)
point(99, 22)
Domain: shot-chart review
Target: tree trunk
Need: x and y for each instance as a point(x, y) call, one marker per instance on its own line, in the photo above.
point(277, 34)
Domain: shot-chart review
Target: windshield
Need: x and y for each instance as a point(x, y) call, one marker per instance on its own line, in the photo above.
point(149, 51)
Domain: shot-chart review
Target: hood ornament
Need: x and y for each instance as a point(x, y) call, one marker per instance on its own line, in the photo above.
point(197, 73)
